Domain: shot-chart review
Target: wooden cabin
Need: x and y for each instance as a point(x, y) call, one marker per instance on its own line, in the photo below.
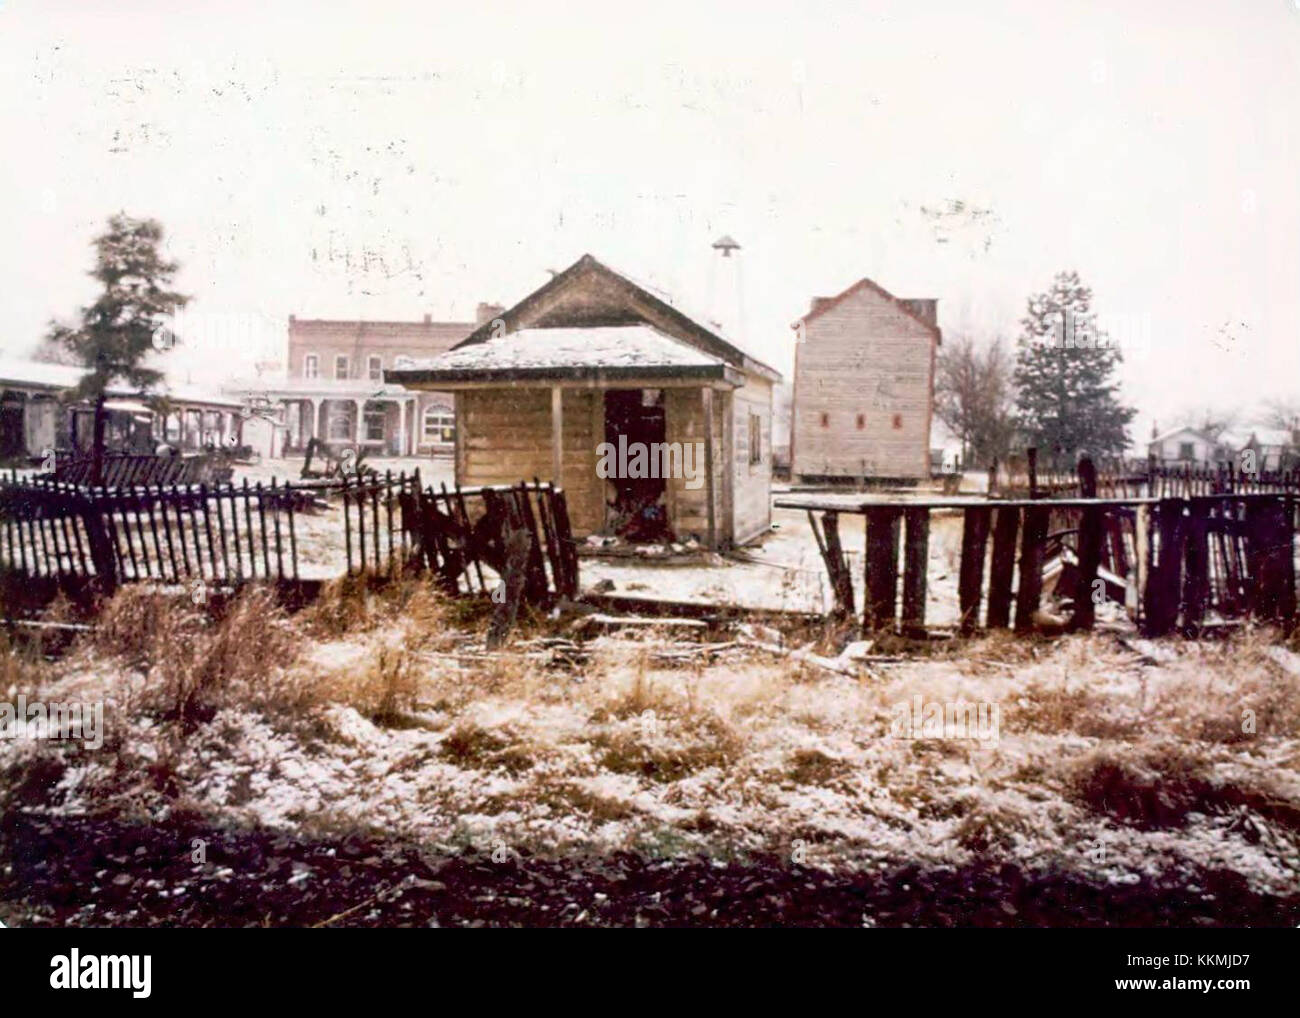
point(593, 363)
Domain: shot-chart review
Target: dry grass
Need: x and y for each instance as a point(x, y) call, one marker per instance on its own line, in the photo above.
point(197, 659)
point(384, 689)
point(630, 751)
point(1165, 784)
point(358, 604)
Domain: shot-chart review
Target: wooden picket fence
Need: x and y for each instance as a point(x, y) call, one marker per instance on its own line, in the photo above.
point(221, 534)
point(396, 522)
point(1230, 555)
point(133, 469)
point(228, 534)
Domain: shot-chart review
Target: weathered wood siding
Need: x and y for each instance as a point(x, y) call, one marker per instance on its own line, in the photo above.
point(867, 356)
point(688, 508)
point(505, 437)
point(505, 434)
point(751, 486)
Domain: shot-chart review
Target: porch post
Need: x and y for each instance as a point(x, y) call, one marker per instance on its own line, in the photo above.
point(401, 427)
point(360, 422)
point(707, 394)
point(557, 436)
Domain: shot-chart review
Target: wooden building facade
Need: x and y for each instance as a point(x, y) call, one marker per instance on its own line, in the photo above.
point(593, 362)
point(864, 387)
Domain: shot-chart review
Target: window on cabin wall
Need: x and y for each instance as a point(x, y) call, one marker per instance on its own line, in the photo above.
point(898, 422)
point(755, 439)
point(1186, 451)
point(826, 420)
point(862, 421)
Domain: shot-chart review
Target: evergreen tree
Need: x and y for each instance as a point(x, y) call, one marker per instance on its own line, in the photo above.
point(1067, 401)
point(116, 332)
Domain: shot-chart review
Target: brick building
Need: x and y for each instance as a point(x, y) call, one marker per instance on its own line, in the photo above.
point(335, 388)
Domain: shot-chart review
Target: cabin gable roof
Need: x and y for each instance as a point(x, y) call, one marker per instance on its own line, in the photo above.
point(589, 294)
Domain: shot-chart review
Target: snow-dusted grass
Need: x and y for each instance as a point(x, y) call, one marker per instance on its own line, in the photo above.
point(390, 718)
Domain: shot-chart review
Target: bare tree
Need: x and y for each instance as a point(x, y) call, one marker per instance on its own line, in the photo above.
point(1281, 412)
point(1210, 421)
point(974, 396)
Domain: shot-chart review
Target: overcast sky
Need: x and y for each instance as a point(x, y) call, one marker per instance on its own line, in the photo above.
point(383, 160)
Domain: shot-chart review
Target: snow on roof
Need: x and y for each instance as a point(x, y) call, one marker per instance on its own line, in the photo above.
point(1271, 436)
point(40, 375)
point(610, 347)
point(16, 371)
point(703, 322)
point(1183, 430)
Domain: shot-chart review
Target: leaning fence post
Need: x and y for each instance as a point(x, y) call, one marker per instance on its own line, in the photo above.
point(101, 551)
point(1030, 591)
point(1090, 519)
point(1165, 583)
point(833, 554)
point(1196, 560)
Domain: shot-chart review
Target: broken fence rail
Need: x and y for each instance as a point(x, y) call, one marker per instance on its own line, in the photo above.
point(1229, 554)
point(235, 533)
point(462, 535)
point(134, 469)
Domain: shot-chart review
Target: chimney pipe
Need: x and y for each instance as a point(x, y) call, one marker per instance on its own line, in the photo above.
point(486, 312)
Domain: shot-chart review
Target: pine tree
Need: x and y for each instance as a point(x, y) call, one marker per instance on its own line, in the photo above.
point(1067, 401)
point(116, 332)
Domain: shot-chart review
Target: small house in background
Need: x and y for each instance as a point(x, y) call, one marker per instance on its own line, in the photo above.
point(1187, 447)
point(1273, 448)
point(864, 387)
point(593, 361)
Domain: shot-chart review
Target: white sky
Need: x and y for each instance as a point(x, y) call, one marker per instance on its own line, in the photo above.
point(381, 160)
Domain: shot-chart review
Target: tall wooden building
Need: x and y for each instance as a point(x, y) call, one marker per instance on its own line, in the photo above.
point(864, 387)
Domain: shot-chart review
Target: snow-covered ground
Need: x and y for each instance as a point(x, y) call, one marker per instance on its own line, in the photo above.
point(781, 572)
point(1106, 761)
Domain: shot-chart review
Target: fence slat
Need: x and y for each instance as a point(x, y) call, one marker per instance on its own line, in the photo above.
point(970, 582)
point(881, 562)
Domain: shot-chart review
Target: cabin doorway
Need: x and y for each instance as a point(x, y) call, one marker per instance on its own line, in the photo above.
point(12, 442)
point(636, 430)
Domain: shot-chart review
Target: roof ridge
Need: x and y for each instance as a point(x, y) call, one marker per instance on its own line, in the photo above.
point(866, 281)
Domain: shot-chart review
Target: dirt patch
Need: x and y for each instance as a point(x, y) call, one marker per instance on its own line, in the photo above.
point(60, 871)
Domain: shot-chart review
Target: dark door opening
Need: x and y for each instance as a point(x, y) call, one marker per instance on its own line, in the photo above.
point(635, 427)
point(12, 443)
